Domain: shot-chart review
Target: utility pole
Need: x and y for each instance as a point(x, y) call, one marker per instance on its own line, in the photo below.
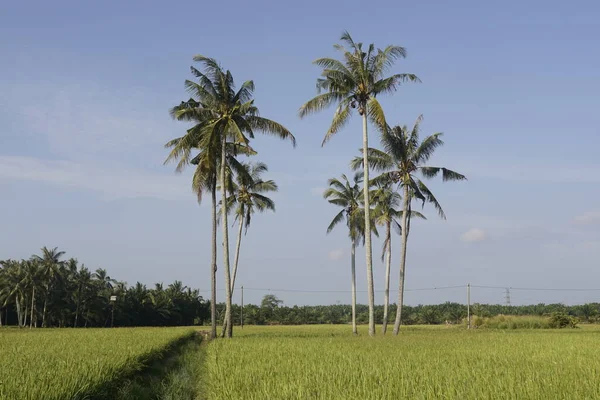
point(242, 310)
point(507, 296)
point(113, 299)
point(468, 306)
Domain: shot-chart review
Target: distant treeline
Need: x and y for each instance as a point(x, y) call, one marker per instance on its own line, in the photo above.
point(271, 311)
point(47, 290)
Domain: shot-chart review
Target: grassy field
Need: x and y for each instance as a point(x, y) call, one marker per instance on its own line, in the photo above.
point(77, 363)
point(301, 362)
point(326, 362)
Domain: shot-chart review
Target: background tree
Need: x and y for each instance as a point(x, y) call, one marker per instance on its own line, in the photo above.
point(348, 196)
point(386, 213)
point(50, 262)
point(403, 160)
point(354, 83)
point(247, 194)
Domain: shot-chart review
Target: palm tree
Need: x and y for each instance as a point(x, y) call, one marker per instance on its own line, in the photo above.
point(385, 213)
point(222, 115)
point(50, 263)
point(83, 280)
point(354, 83)
point(248, 190)
point(32, 280)
point(348, 196)
point(404, 159)
point(14, 288)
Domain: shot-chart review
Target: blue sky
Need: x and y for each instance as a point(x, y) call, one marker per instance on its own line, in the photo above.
point(513, 86)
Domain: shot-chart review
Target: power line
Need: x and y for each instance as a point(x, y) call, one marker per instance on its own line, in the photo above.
point(541, 289)
point(339, 291)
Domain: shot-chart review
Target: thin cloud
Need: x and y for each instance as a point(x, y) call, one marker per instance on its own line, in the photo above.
point(317, 191)
point(112, 182)
point(591, 217)
point(473, 235)
point(335, 255)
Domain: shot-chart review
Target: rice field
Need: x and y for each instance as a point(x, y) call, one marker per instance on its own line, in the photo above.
point(326, 362)
point(301, 362)
point(77, 363)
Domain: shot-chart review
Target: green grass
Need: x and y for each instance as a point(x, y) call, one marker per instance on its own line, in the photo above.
point(175, 377)
point(78, 363)
point(326, 362)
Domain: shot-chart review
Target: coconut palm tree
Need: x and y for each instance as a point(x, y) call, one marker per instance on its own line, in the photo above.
point(248, 196)
point(50, 261)
point(354, 83)
point(222, 115)
point(14, 288)
point(83, 280)
point(386, 213)
point(403, 161)
point(32, 279)
point(348, 195)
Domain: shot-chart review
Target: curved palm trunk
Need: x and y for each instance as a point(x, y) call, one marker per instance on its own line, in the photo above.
point(32, 305)
point(225, 241)
point(402, 261)
point(353, 270)
point(26, 305)
point(388, 267)
point(213, 266)
point(18, 310)
point(45, 303)
point(368, 249)
point(237, 252)
point(235, 264)
point(78, 306)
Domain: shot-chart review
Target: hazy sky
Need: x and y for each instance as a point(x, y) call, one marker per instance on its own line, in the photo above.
point(85, 92)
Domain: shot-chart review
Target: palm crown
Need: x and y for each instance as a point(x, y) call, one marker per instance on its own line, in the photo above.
point(248, 189)
point(404, 158)
point(355, 82)
point(348, 195)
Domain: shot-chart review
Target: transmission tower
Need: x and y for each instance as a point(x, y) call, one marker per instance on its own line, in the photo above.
point(507, 296)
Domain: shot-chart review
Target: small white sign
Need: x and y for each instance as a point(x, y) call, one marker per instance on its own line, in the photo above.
point(113, 298)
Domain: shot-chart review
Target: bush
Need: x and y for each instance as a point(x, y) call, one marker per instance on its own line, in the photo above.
point(561, 320)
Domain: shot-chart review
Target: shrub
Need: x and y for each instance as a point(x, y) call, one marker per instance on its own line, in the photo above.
point(561, 320)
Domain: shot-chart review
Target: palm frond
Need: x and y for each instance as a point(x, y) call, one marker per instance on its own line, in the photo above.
point(271, 127)
point(320, 102)
point(339, 217)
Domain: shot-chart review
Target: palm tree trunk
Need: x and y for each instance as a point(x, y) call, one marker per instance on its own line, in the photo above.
point(25, 306)
point(32, 304)
point(353, 270)
point(405, 213)
point(18, 304)
point(213, 267)
point(45, 303)
point(388, 267)
point(235, 262)
point(225, 239)
point(78, 305)
point(237, 252)
point(368, 248)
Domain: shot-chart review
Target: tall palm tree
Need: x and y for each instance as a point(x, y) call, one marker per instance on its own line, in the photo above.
point(83, 280)
point(386, 213)
point(222, 114)
point(248, 196)
point(348, 195)
point(354, 83)
point(32, 280)
point(14, 288)
point(50, 261)
point(403, 160)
